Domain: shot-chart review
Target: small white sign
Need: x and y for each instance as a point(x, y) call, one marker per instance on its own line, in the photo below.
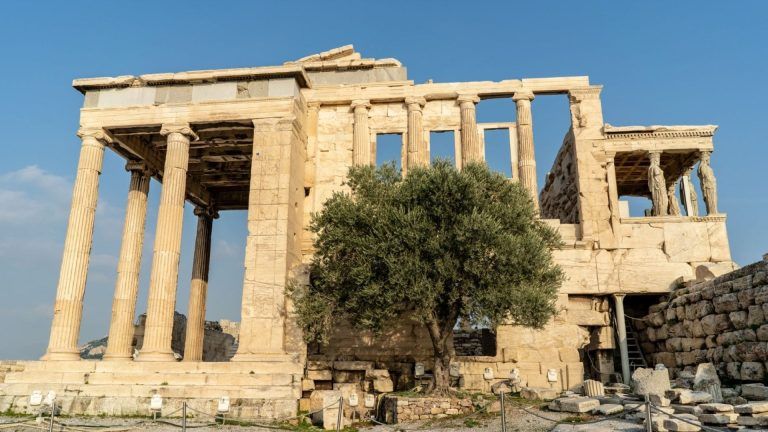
point(552, 375)
point(514, 375)
point(488, 373)
point(454, 370)
point(36, 398)
point(370, 401)
point(156, 403)
point(418, 369)
point(50, 398)
point(353, 399)
point(223, 406)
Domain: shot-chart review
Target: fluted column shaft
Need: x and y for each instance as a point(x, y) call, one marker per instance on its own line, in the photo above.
point(470, 138)
point(68, 309)
point(167, 248)
point(526, 161)
point(120, 337)
point(198, 290)
point(417, 152)
point(361, 146)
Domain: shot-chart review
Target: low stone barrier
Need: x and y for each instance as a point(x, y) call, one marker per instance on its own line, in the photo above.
point(398, 409)
point(723, 321)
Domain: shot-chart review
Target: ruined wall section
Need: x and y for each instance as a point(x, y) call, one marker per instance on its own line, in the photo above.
point(559, 199)
point(723, 321)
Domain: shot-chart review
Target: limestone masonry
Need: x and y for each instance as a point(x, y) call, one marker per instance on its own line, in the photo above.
point(277, 141)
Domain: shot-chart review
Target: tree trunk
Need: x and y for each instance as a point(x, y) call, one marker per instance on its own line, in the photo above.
point(443, 355)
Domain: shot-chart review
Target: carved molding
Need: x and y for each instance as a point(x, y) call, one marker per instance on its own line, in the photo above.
point(209, 212)
point(673, 219)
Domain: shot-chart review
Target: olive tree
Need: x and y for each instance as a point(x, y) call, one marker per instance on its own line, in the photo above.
point(439, 245)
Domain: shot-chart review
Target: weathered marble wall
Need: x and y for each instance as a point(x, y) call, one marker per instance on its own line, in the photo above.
point(559, 199)
point(723, 320)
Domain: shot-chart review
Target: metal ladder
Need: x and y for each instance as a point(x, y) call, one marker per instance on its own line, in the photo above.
point(634, 352)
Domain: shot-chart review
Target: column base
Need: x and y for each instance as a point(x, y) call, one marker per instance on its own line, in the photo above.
point(117, 357)
point(155, 357)
point(61, 356)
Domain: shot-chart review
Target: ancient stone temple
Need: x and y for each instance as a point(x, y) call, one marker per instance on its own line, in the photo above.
point(276, 141)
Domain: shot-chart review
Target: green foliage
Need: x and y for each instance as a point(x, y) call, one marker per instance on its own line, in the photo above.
point(439, 245)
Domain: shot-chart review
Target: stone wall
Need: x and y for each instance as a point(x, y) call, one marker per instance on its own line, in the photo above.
point(722, 320)
point(396, 409)
point(559, 199)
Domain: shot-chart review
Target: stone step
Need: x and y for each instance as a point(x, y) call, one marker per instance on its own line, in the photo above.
point(134, 377)
point(279, 365)
point(146, 391)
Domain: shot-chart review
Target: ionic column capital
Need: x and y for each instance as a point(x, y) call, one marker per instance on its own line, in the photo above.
point(96, 133)
point(208, 212)
point(610, 156)
point(140, 167)
point(705, 154)
point(359, 104)
point(465, 99)
point(523, 94)
point(182, 128)
point(415, 103)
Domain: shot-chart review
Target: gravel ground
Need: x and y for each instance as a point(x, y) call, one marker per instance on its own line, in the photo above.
point(518, 420)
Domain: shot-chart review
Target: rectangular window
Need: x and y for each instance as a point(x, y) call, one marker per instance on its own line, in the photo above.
point(498, 154)
point(389, 149)
point(442, 145)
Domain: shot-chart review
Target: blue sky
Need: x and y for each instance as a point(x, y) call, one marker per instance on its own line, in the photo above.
point(661, 62)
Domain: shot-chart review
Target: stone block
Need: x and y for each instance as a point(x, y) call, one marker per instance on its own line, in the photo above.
point(650, 381)
point(719, 418)
point(687, 409)
point(752, 421)
point(325, 408)
point(538, 393)
point(726, 303)
point(383, 385)
point(716, 407)
point(715, 324)
point(738, 319)
point(214, 91)
point(752, 408)
point(752, 371)
point(689, 397)
point(353, 365)
point(593, 388)
point(608, 409)
point(755, 392)
point(320, 375)
point(577, 404)
point(676, 425)
point(706, 375)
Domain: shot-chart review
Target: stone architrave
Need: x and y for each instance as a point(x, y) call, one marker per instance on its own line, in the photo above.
point(417, 154)
point(68, 309)
point(688, 193)
point(708, 183)
point(361, 140)
point(119, 341)
point(526, 154)
point(674, 206)
point(647, 381)
point(198, 289)
point(657, 185)
point(471, 150)
point(167, 248)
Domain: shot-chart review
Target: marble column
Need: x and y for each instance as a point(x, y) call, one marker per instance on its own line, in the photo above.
point(622, 333)
point(526, 157)
point(198, 289)
point(708, 183)
point(688, 194)
point(417, 154)
point(361, 139)
point(613, 194)
point(68, 309)
point(165, 260)
point(471, 150)
point(657, 185)
point(119, 342)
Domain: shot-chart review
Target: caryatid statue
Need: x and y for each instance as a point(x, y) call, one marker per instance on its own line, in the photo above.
point(657, 185)
point(708, 183)
point(674, 206)
point(686, 187)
